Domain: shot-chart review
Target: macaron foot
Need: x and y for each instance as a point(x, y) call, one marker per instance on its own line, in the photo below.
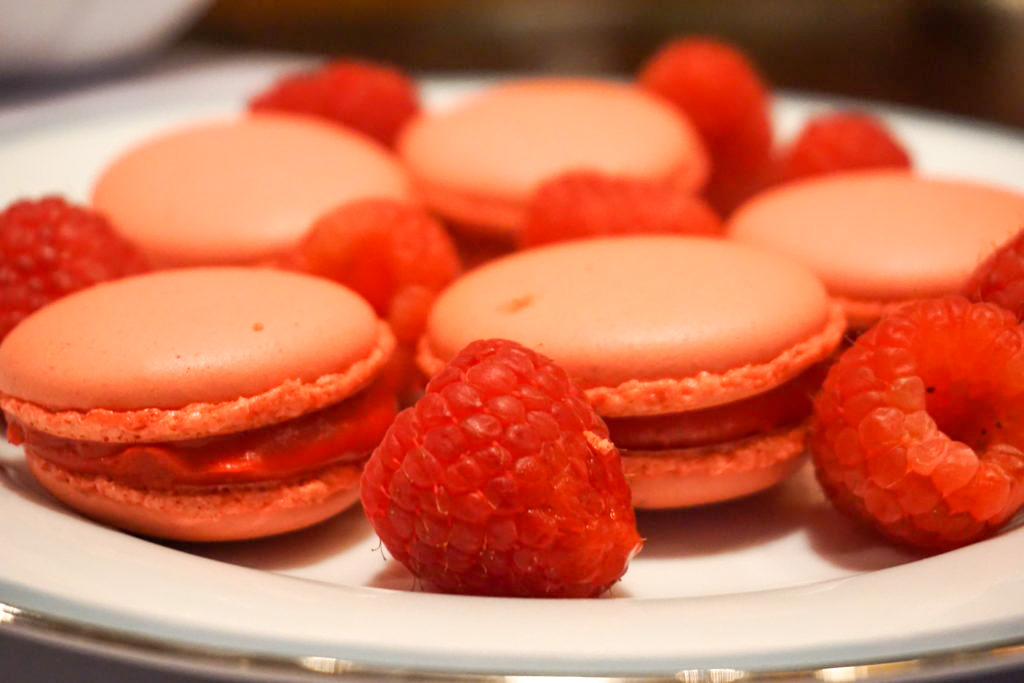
point(687, 477)
point(224, 513)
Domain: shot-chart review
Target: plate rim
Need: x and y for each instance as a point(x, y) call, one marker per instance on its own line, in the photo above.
point(126, 645)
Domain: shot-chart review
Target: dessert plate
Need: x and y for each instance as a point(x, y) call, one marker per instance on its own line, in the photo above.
point(774, 585)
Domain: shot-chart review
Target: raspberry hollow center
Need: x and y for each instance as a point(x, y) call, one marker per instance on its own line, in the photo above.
point(919, 428)
point(973, 387)
point(964, 416)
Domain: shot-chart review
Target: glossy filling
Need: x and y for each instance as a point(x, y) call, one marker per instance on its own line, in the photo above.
point(344, 432)
point(786, 404)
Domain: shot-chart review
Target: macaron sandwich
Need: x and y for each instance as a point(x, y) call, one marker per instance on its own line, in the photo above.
point(879, 239)
point(477, 163)
point(700, 354)
point(200, 404)
point(239, 190)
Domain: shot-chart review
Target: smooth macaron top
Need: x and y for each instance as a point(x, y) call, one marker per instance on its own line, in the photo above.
point(238, 191)
point(883, 235)
point(645, 324)
point(250, 345)
point(480, 159)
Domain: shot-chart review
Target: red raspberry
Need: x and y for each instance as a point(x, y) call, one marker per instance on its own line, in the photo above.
point(394, 254)
point(372, 98)
point(50, 248)
point(720, 91)
point(743, 165)
point(842, 141)
point(591, 204)
point(501, 481)
point(712, 82)
point(920, 424)
point(1000, 277)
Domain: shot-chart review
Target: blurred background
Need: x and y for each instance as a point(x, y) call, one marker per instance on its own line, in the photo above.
point(959, 56)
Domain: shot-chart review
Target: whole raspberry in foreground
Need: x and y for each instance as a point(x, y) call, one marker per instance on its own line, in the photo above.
point(919, 428)
point(842, 141)
point(501, 481)
point(591, 204)
point(50, 248)
point(719, 90)
point(372, 98)
point(1000, 277)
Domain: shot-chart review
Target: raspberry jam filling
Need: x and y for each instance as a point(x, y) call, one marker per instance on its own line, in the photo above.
point(786, 404)
point(344, 432)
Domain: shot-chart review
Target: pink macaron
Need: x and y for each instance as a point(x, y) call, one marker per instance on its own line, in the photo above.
point(700, 354)
point(880, 238)
point(240, 190)
point(477, 162)
point(179, 405)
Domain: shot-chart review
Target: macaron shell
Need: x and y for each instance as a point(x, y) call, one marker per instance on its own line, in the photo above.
point(239, 191)
point(480, 160)
point(475, 214)
point(221, 514)
point(648, 324)
point(883, 236)
point(182, 353)
point(711, 474)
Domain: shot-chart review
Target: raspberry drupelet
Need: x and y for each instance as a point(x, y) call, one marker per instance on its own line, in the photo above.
point(591, 204)
point(920, 424)
point(50, 248)
point(501, 481)
point(375, 99)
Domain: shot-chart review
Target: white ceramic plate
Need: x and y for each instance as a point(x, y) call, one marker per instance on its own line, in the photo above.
point(775, 582)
